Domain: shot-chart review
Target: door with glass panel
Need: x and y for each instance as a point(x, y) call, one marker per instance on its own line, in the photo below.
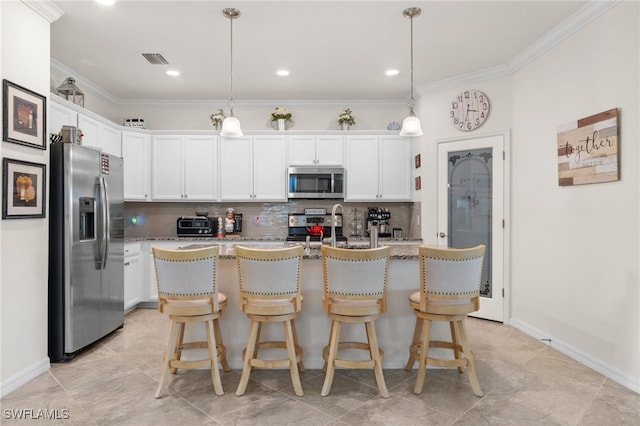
point(471, 210)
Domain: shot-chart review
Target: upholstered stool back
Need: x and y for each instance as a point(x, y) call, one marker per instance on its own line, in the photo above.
point(188, 293)
point(449, 290)
point(269, 284)
point(355, 291)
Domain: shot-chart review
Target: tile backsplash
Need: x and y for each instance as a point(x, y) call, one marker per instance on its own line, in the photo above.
point(260, 220)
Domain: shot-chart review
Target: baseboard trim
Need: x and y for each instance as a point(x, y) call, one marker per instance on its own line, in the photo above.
point(24, 376)
point(605, 369)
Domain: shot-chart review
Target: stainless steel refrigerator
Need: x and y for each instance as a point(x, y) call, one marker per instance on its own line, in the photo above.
point(86, 248)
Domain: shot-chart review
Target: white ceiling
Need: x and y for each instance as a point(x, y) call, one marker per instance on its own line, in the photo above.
point(335, 50)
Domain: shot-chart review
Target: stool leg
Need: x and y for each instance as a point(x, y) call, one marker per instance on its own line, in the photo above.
point(168, 356)
point(291, 351)
point(248, 354)
point(375, 355)
point(295, 341)
point(471, 370)
point(326, 357)
point(213, 356)
point(177, 354)
point(422, 362)
point(455, 342)
point(414, 342)
point(223, 349)
point(331, 359)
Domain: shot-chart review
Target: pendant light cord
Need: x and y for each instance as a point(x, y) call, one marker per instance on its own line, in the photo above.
point(411, 98)
point(231, 68)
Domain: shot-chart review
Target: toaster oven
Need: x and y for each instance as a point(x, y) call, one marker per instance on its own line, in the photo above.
point(196, 226)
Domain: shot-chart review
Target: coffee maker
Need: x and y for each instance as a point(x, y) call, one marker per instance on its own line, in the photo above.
point(377, 216)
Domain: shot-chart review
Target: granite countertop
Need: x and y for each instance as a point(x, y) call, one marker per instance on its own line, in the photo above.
point(403, 249)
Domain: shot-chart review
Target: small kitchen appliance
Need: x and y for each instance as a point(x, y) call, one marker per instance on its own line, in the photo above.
point(196, 226)
point(379, 218)
point(315, 182)
point(315, 223)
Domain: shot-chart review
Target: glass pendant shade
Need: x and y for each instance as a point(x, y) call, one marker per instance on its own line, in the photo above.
point(231, 127)
point(411, 127)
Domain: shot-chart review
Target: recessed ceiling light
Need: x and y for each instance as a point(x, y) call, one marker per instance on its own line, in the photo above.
point(106, 2)
point(173, 73)
point(282, 73)
point(392, 72)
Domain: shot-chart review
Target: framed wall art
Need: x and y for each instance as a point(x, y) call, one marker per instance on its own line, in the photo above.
point(24, 116)
point(588, 150)
point(417, 161)
point(418, 182)
point(24, 192)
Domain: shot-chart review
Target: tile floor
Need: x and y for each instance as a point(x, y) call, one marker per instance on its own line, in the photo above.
point(524, 381)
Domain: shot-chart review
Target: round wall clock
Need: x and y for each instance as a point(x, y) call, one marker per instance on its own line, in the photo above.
point(469, 110)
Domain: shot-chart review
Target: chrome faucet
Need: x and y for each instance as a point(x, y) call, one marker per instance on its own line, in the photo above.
point(334, 242)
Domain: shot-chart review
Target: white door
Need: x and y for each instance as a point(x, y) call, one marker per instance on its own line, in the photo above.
point(471, 210)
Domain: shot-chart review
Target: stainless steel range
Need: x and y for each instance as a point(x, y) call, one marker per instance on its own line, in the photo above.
point(316, 224)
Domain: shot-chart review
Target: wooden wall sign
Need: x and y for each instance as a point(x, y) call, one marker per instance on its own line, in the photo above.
point(588, 150)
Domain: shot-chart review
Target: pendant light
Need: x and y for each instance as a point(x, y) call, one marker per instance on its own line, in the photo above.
point(231, 125)
point(411, 124)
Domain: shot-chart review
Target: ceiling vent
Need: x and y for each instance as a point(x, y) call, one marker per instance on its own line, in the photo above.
point(155, 58)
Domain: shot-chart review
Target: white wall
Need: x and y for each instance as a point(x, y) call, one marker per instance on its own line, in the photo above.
point(575, 253)
point(576, 249)
point(23, 247)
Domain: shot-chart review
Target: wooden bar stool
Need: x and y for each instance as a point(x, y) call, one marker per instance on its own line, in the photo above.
point(355, 291)
point(270, 292)
point(188, 293)
point(449, 290)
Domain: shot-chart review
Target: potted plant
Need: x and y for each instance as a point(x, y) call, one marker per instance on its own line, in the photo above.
point(281, 115)
point(346, 119)
point(217, 118)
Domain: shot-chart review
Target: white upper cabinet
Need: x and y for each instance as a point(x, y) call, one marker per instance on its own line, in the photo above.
point(100, 135)
point(378, 168)
point(136, 151)
point(395, 168)
point(269, 168)
point(60, 115)
point(184, 168)
point(252, 168)
point(310, 150)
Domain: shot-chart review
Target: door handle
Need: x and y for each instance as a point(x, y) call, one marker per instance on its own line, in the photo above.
point(442, 235)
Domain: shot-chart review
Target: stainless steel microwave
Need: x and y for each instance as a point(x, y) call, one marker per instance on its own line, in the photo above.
point(315, 182)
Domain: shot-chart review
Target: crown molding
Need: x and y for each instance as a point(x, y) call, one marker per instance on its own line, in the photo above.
point(45, 8)
point(575, 22)
point(87, 85)
point(382, 103)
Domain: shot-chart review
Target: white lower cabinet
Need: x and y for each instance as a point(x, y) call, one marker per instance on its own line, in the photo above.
point(132, 275)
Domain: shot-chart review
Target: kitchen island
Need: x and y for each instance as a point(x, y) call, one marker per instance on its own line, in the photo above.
point(394, 328)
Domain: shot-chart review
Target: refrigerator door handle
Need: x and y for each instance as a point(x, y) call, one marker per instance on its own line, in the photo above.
point(106, 220)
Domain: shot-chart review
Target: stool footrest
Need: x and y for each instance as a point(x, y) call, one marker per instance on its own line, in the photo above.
point(347, 363)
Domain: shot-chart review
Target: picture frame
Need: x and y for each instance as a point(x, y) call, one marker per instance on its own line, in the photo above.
point(417, 161)
point(418, 182)
point(24, 189)
point(24, 117)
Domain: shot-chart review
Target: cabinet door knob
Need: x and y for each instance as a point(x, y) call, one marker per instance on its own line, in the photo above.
point(442, 235)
